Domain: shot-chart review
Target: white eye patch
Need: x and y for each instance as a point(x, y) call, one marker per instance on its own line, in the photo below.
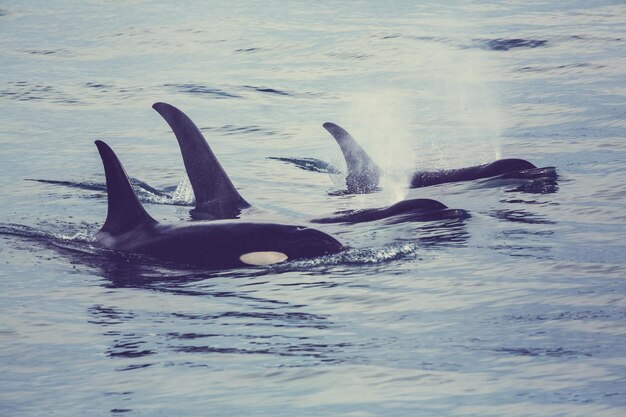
point(263, 258)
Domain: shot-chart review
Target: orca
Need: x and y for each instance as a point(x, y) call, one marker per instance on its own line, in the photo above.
point(217, 198)
point(364, 175)
point(214, 245)
point(491, 169)
point(418, 209)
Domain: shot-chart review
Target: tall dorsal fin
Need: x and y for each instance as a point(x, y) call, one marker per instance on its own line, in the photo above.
point(216, 196)
point(125, 212)
point(363, 173)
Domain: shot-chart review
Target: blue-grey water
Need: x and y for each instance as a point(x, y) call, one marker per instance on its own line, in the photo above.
point(519, 310)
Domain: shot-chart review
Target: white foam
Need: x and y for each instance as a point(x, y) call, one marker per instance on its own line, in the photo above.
point(183, 193)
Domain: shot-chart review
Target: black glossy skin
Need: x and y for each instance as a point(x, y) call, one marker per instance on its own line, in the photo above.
point(219, 245)
point(217, 198)
point(364, 175)
point(420, 209)
point(492, 169)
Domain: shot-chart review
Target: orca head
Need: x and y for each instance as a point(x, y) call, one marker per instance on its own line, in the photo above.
point(233, 243)
point(298, 242)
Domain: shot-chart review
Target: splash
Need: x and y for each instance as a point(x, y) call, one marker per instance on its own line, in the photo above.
point(183, 194)
point(447, 115)
point(456, 121)
point(364, 256)
point(86, 236)
point(462, 120)
point(379, 122)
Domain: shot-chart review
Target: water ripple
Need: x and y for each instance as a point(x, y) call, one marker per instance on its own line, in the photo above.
point(198, 89)
point(535, 351)
point(25, 91)
point(230, 130)
point(501, 44)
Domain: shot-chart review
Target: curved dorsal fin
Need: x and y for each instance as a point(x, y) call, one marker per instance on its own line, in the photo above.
point(363, 173)
point(125, 212)
point(216, 196)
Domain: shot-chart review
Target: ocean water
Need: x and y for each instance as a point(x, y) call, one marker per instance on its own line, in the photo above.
point(519, 310)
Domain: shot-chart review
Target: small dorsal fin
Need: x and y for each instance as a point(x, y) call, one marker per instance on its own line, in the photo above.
point(125, 212)
point(363, 173)
point(216, 196)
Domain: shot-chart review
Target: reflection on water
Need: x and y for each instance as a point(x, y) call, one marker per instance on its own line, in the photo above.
point(520, 216)
point(224, 332)
point(531, 181)
point(507, 44)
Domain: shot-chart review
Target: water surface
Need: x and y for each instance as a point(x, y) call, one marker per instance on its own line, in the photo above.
point(518, 310)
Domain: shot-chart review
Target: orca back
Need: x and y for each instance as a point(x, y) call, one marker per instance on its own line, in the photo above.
point(492, 169)
point(363, 174)
point(216, 196)
point(421, 209)
point(125, 212)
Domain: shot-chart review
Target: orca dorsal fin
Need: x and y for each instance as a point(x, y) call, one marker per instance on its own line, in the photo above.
point(125, 212)
point(216, 196)
point(363, 174)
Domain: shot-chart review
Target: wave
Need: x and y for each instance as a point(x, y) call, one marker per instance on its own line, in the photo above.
point(309, 164)
point(503, 44)
point(496, 44)
point(198, 89)
point(181, 195)
point(126, 269)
